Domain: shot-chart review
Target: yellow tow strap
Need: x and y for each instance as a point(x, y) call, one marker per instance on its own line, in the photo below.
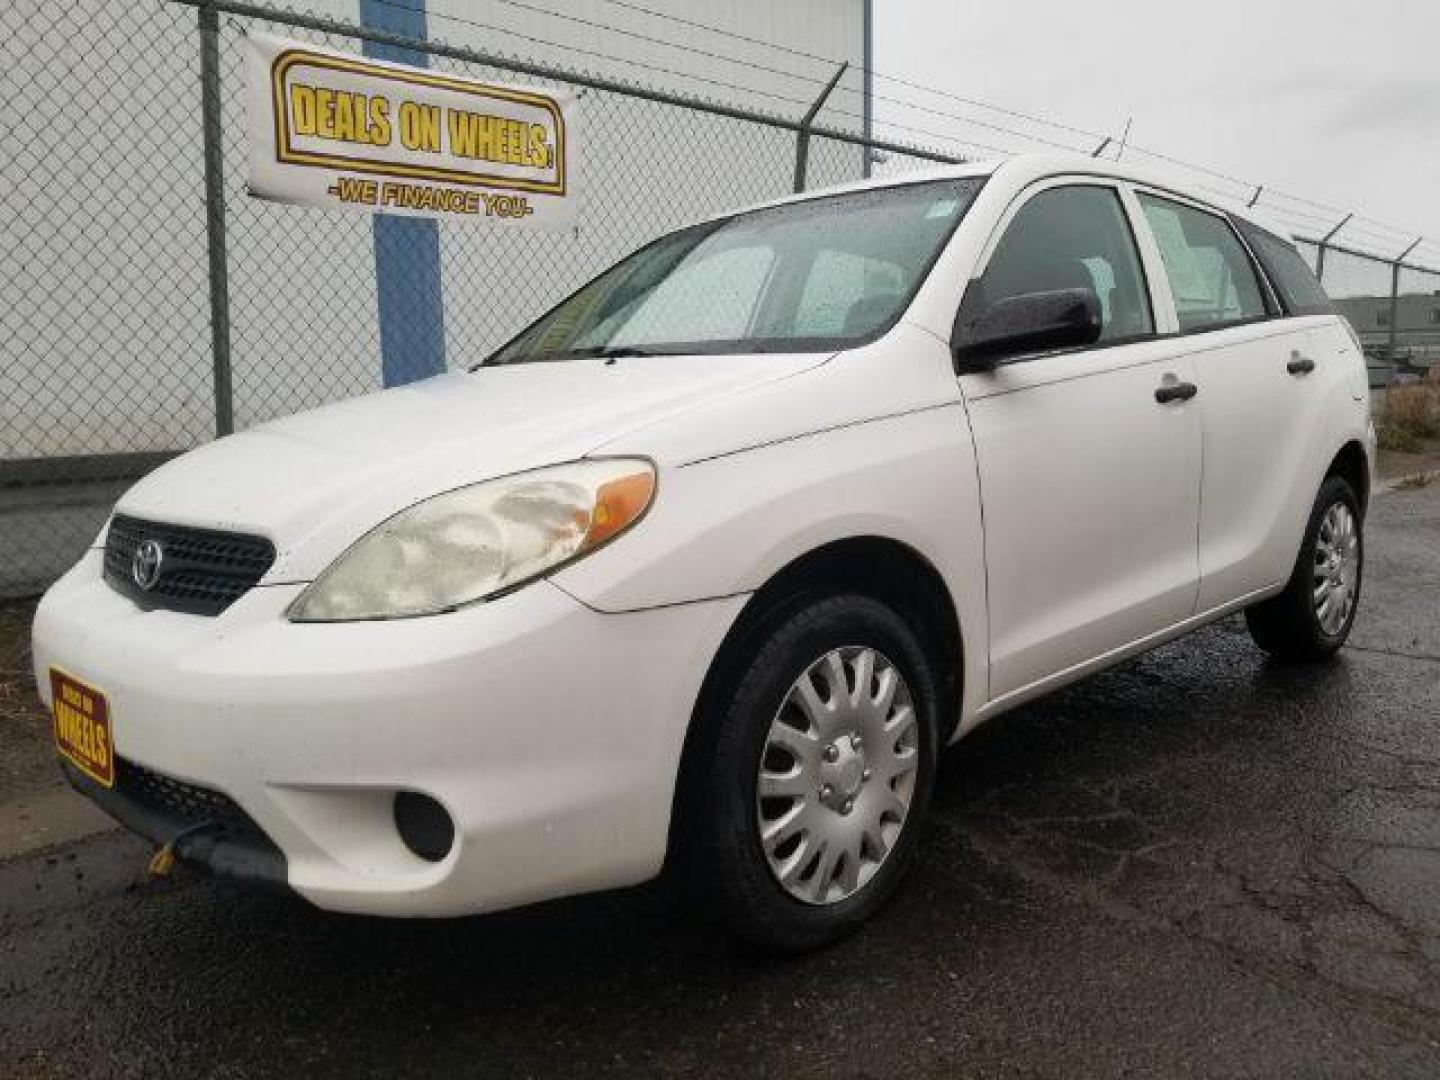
point(163, 861)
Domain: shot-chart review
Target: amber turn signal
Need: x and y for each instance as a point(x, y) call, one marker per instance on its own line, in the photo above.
point(619, 504)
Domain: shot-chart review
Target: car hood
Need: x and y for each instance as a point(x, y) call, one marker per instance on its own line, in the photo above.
point(315, 481)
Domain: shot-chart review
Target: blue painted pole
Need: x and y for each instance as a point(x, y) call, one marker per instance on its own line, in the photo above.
point(407, 249)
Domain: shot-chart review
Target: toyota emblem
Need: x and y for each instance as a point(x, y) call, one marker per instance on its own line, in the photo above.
point(145, 567)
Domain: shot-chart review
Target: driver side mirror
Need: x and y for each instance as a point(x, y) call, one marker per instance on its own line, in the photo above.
point(1027, 323)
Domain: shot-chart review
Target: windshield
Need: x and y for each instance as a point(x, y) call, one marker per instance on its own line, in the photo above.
point(811, 276)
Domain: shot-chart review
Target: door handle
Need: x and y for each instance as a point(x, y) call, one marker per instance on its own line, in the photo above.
point(1180, 391)
point(1300, 365)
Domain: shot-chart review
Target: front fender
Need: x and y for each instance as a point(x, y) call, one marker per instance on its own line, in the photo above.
point(724, 526)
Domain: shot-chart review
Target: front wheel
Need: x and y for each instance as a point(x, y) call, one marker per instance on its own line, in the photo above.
point(1311, 619)
point(813, 773)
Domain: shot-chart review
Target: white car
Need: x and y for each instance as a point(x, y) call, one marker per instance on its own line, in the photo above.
point(710, 562)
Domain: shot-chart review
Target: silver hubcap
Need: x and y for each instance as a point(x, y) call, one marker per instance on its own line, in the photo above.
point(837, 775)
point(1337, 568)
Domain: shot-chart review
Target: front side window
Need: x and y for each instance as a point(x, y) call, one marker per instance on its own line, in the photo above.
point(818, 275)
point(1073, 237)
point(1293, 280)
point(1210, 274)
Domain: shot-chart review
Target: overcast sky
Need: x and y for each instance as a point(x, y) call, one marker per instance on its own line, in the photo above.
point(1335, 101)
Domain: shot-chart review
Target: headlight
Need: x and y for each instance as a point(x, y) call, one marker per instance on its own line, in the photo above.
point(471, 543)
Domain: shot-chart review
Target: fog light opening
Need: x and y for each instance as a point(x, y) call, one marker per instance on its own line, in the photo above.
point(423, 825)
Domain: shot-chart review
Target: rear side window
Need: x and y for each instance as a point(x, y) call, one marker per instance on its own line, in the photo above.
point(1210, 273)
point(1299, 292)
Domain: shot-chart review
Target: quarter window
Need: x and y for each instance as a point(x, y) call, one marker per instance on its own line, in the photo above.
point(1073, 237)
point(1293, 280)
point(1210, 273)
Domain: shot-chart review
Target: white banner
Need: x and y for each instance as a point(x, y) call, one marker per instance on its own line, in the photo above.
point(334, 129)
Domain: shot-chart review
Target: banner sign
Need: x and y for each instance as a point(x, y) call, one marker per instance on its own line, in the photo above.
point(333, 129)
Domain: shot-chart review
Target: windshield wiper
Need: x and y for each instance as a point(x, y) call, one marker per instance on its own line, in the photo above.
point(610, 352)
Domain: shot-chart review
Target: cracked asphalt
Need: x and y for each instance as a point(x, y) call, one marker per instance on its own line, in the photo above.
point(1197, 863)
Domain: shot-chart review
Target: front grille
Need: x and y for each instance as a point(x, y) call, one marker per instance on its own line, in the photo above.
point(201, 571)
point(187, 805)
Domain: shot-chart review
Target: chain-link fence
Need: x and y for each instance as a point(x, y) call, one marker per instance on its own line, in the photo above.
point(1393, 304)
point(148, 304)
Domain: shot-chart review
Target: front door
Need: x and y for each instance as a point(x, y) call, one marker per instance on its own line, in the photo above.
point(1089, 478)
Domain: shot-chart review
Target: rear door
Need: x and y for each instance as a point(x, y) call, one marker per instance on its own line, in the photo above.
point(1090, 485)
point(1259, 376)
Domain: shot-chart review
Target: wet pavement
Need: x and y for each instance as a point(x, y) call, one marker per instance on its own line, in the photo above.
point(1198, 863)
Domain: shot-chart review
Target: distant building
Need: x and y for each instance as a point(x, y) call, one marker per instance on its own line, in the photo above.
point(1416, 332)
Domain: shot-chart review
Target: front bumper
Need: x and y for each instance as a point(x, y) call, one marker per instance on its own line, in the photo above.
point(234, 849)
point(549, 732)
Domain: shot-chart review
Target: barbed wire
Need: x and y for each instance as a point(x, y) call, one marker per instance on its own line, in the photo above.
point(850, 114)
point(883, 76)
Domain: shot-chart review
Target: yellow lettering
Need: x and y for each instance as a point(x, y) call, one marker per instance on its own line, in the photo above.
point(352, 189)
point(462, 133)
point(302, 108)
point(539, 147)
point(420, 126)
point(345, 119)
point(482, 137)
point(380, 121)
point(324, 112)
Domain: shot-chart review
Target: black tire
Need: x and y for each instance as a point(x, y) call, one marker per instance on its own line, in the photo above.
point(722, 856)
point(1287, 626)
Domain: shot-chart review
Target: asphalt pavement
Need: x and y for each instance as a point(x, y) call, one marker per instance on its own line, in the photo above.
point(1199, 863)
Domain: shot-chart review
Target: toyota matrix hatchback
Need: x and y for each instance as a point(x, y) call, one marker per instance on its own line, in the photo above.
point(710, 562)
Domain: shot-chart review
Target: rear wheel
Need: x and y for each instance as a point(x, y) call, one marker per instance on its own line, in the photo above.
point(1311, 619)
point(814, 773)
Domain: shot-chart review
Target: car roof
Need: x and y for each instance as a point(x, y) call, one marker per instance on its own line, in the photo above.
point(1023, 169)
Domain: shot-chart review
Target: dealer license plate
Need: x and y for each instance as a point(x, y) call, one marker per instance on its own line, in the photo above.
point(82, 727)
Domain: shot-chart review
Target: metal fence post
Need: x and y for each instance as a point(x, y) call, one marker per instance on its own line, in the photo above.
point(802, 138)
point(1392, 336)
point(1320, 252)
point(209, 21)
